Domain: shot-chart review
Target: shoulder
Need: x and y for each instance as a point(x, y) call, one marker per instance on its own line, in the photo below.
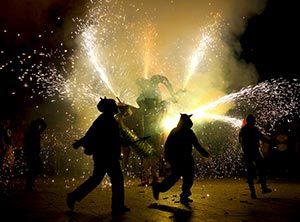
point(245, 129)
point(100, 118)
point(191, 133)
point(172, 134)
point(173, 131)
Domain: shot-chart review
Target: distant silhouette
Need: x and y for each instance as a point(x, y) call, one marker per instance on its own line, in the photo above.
point(32, 149)
point(178, 152)
point(250, 137)
point(103, 141)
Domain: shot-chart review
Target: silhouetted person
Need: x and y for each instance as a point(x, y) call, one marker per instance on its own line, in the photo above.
point(249, 138)
point(32, 149)
point(178, 152)
point(103, 141)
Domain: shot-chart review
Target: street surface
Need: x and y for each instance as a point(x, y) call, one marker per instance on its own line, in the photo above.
point(214, 200)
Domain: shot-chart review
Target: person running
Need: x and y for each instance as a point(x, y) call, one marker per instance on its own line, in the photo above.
point(178, 153)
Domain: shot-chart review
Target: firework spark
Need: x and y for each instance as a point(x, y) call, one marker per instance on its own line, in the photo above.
point(270, 100)
point(210, 34)
point(90, 46)
point(197, 57)
point(110, 37)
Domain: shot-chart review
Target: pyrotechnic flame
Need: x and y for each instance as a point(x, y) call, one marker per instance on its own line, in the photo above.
point(170, 122)
point(197, 57)
point(90, 46)
point(272, 98)
point(236, 123)
point(207, 39)
point(148, 44)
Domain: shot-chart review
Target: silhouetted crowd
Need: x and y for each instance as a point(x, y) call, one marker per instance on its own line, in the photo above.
point(20, 145)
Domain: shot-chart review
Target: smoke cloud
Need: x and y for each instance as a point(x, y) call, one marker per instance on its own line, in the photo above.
point(133, 39)
point(138, 39)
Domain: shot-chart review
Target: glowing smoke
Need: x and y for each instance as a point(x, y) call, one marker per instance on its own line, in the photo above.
point(212, 68)
point(194, 43)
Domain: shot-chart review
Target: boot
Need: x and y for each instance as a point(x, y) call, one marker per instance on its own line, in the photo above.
point(70, 201)
point(155, 191)
point(120, 210)
point(252, 191)
point(264, 188)
point(185, 200)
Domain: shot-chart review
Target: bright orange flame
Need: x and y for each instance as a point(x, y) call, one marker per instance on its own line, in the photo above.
point(148, 45)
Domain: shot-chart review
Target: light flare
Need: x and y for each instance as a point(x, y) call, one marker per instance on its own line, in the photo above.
point(169, 123)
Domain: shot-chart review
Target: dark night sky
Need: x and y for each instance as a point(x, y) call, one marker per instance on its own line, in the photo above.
point(271, 41)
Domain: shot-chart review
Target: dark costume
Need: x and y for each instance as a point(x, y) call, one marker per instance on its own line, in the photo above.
point(103, 141)
point(249, 138)
point(178, 152)
point(32, 149)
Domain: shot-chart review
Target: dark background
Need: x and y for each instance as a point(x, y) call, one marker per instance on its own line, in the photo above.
point(271, 41)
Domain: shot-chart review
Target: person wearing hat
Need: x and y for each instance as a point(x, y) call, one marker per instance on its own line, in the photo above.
point(103, 142)
point(178, 153)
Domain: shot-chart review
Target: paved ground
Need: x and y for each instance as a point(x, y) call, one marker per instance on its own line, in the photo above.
point(214, 200)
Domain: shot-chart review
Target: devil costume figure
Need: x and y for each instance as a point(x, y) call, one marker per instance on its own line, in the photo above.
point(178, 152)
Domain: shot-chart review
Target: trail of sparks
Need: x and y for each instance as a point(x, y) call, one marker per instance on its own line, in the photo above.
point(197, 57)
point(170, 122)
point(90, 46)
point(236, 123)
point(148, 45)
point(209, 35)
point(269, 100)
